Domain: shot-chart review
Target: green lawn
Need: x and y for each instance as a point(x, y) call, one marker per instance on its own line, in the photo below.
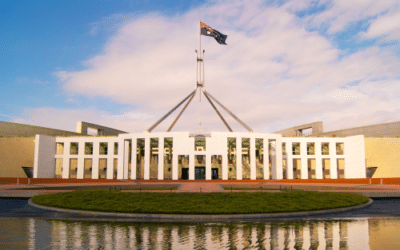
point(198, 203)
point(251, 188)
point(150, 188)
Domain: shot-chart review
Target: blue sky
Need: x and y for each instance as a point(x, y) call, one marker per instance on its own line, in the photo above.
point(124, 64)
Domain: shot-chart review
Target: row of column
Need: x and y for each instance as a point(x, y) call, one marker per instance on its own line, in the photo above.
point(318, 160)
point(66, 163)
point(276, 161)
point(317, 235)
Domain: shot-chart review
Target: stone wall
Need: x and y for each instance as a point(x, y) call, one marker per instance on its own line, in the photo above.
point(384, 155)
point(11, 129)
point(16, 153)
point(391, 129)
point(317, 129)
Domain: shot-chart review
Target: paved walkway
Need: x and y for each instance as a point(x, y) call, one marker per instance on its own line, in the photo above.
point(370, 190)
point(200, 187)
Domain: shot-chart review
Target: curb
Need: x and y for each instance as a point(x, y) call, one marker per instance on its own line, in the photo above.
point(107, 216)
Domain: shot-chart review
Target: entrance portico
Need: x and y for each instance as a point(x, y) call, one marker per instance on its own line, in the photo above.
point(189, 160)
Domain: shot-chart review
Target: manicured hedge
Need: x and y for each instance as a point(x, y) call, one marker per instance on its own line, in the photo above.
point(199, 203)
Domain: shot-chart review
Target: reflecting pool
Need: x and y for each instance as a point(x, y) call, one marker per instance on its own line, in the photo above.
point(350, 233)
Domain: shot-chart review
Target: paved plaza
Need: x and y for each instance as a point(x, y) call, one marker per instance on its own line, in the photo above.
point(373, 188)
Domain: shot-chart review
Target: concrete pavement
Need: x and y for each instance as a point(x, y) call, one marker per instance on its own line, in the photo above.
point(370, 190)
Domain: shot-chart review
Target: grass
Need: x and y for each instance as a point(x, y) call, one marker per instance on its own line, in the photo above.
point(150, 188)
point(198, 203)
point(104, 187)
point(250, 188)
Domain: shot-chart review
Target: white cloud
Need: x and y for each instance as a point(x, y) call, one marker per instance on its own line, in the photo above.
point(388, 25)
point(272, 74)
point(66, 119)
point(342, 14)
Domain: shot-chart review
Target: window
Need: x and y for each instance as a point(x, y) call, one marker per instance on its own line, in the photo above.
point(325, 148)
point(74, 148)
point(310, 148)
point(88, 148)
point(60, 148)
point(200, 143)
point(296, 148)
point(103, 150)
point(339, 148)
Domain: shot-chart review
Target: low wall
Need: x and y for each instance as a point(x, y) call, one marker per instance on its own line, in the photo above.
point(383, 153)
point(16, 153)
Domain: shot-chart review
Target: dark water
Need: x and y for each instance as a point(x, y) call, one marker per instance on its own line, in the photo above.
point(376, 227)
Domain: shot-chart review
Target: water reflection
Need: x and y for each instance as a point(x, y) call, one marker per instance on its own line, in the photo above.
point(34, 233)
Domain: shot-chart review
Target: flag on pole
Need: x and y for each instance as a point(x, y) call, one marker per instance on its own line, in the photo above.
point(207, 31)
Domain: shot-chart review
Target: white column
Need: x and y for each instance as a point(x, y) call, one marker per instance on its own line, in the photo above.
point(132, 237)
point(134, 158)
point(253, 164)
point(239, 175)
point(225, 163)
point(289, 160)
point(281, 238)
point(332, 156)
point(145, 238)
point(66, 167)
point(321, 236)
point(267, 236)
point(191, 166)
point(224, 237)
point(266, 158)
point(239, 233)
point(304, 160)
point(44, 161)
point(120, 238)
point(95, 168)
point(334, 173)
point(110, 168)
point(77, 236)
point(81, 168)
point(175, 165)
point(174, 237)
point(160, 236)
point(31, 234)
point(335, 235)
point(62, 232)
point(95, 161)
point(291, 237)
point(92, 235)
point(254, 239)
point(208, 239)
point(161, 158)
point(278, 158)
point(146, 173)
point(124, 174)
point(208, 166)
point(318, 161)
point(66, 159)
point(273, 160)
point(307, 237)
point(108, 244)
point(358, 236)
point(81, 163)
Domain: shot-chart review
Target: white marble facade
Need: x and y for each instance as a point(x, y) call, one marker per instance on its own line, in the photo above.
point(115, 149)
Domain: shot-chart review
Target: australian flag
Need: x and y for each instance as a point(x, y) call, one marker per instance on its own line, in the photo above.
point(207, 31)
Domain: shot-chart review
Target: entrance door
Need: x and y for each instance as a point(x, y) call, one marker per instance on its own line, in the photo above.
point(200, 173)
point(185, 174)
point(214, 173)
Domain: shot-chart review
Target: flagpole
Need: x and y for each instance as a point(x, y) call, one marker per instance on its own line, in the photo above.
point(199, 78)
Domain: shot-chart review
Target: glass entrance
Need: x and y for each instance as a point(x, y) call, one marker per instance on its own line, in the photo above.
point(200, 173)
point(214, 173)
point(185, 174)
